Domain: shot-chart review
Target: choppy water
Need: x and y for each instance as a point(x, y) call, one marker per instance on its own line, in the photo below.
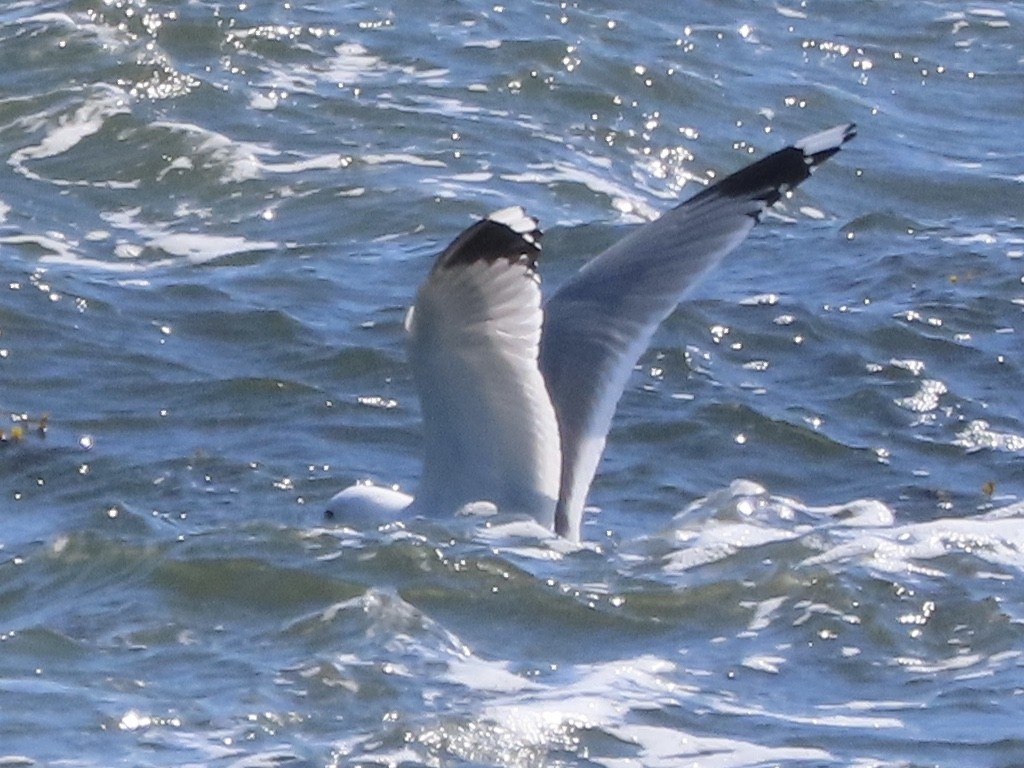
point(211, 219)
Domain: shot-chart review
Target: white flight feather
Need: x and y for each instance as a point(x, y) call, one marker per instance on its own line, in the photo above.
point(489, 426)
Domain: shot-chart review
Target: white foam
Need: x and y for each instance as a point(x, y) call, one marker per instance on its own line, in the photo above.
point(913, 548)
point(623, 198)
point(201, 248)
point(68, 130)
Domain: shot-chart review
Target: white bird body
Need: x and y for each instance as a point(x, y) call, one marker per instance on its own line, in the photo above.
point(518, 396)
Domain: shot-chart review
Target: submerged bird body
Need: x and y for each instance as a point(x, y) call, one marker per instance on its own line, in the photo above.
point(518, 395)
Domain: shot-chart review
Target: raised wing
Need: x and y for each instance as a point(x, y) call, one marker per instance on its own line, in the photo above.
point(474, 331)
point(600, 322)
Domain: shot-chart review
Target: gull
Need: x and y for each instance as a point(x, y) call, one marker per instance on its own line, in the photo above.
point(517, 394)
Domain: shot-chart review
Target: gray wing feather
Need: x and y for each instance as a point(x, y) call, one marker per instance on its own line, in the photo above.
point(490, 432)
point(600, 322)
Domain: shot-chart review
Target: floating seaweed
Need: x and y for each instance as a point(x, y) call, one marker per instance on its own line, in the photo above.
point(23, 426)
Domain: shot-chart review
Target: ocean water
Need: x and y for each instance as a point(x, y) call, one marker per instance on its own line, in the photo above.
point(806, 540)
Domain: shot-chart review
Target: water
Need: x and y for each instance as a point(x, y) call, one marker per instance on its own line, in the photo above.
point(808, 535)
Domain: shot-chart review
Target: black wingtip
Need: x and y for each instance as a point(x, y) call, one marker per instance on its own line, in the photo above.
point(509, 234)
point(771, 177)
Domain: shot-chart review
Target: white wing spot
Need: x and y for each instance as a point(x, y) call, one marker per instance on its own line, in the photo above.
point(516, 219)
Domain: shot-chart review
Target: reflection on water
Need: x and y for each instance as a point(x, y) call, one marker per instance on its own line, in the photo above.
point(804, 545)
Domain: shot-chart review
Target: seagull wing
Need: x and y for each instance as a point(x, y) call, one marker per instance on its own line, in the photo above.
point(474, 331)
point(599, 323)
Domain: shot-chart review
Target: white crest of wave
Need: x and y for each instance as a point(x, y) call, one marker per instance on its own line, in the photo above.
point(864, 532)
point(65, 131)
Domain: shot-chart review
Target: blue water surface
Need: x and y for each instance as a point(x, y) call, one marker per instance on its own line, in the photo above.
point(806, 539)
